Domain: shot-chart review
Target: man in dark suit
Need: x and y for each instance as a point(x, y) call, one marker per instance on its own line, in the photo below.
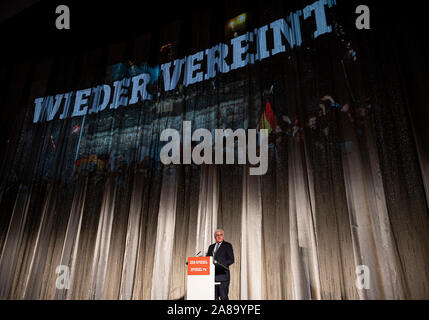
point(222, 252)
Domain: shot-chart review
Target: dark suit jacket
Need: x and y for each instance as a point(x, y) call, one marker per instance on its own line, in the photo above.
point(224, 255)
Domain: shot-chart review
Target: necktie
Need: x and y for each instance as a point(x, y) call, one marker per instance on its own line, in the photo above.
point(215, 250)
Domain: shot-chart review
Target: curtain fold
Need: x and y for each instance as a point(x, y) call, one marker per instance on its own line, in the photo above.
point(304, 259)
point(10, 250)
point(208, 206)
point(103, 238)
point(164, 240)
point(251, 238)
point(72, 236)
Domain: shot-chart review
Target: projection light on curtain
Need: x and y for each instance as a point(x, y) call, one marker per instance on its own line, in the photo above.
point(236, 25)
point(167, 46)
point(130, 82)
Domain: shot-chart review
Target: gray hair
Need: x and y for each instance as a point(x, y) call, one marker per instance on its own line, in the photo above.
point(219, 230)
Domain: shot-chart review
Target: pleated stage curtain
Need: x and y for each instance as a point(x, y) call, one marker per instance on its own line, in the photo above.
point(346, 184)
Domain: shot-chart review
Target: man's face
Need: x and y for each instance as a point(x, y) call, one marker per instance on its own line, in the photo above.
point(219, 236)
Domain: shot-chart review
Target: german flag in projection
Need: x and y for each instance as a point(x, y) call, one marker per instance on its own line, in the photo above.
point(268, 119)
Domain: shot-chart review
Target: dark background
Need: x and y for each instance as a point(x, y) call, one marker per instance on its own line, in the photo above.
point(32, 33)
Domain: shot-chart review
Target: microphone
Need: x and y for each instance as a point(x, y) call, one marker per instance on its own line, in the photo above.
point(195, 256)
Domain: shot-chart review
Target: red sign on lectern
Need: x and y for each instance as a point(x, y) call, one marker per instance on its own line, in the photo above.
point(198, 266)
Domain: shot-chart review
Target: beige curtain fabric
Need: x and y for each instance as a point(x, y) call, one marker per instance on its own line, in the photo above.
point(251, 238)
point(305, 271)
point(369, 220)
point(11, 246)
point(72, 236)
point(164, 240)
point(208, 207)
point(103, 241)
point(132, 237)
point(277, 257)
